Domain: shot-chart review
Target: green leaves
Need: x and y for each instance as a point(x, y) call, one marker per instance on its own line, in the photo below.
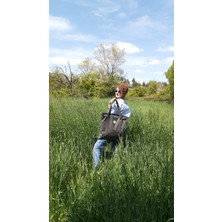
point(170, 76)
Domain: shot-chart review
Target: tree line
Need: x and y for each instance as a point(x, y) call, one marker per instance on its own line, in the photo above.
point(98, 77)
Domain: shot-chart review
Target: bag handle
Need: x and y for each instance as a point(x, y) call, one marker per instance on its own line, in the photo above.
point(117, 108)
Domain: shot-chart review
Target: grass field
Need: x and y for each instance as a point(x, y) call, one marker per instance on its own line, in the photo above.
point(136, 185)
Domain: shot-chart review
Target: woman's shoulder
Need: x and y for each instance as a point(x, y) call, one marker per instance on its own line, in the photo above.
point(122, 102)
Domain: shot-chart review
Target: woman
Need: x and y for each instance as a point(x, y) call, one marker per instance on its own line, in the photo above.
point(100, 144)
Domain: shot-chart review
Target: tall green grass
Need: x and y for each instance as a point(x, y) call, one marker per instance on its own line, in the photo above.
point(135, 185)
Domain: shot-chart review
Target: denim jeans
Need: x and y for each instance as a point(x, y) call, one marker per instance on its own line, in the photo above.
point(98, 148)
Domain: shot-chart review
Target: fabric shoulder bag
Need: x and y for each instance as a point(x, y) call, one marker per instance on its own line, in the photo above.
point(112, 125)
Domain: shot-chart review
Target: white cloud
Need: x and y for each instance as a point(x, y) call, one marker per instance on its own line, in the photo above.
point(139, 71)
point(59, 24)
point(59, 60)
point(168, 48)
point(142, 27)
point(105, 10)
point(132, 3)
point(142, 23)
point(136, 61)
point(153, 61)
point(122, 15)
point(168, 60)
point(129, 47)
point(60, 56)
point(78, 37)
point(141, 61)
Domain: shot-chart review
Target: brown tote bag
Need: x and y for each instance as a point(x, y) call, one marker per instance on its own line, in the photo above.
point(112, 125)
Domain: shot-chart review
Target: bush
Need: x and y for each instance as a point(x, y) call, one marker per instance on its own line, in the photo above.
point(137, 92)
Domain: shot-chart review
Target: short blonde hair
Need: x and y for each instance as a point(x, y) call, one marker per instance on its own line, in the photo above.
point(123, 87)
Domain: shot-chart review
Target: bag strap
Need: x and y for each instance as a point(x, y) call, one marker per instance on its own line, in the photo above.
point(118, 108)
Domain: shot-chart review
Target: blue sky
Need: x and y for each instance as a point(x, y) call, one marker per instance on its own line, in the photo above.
point(144, 28)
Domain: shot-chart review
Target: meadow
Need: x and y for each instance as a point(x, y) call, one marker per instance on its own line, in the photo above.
point(136, 185)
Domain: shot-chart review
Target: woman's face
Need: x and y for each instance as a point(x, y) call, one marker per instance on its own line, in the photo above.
point(118, 93)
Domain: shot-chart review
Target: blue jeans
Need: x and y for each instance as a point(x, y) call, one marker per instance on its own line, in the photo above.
point(98, 148)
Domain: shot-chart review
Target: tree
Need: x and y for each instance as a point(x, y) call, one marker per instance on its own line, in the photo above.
point(106, 85)
point(88, 84)
point(70, 77)
point(87, 66)
point(152, 87)
point(135, 83)
point(110, 57)
point(170, 76)
point(57, 84)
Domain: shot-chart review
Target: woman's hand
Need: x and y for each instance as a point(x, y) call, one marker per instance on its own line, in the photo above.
point(111, 102)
